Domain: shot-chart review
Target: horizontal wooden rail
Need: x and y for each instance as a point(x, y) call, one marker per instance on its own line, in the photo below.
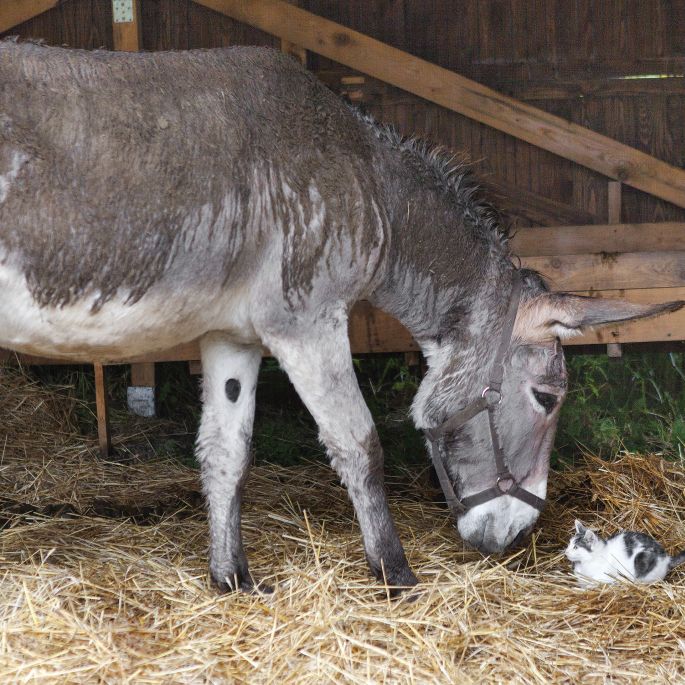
point(611, 271)
point(609, 238)
point(446, 88)
point(14, 12)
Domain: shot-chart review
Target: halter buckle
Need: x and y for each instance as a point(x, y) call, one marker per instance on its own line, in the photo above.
point(487, 392)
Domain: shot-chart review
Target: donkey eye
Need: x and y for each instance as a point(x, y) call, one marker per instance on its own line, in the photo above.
point(546, 400)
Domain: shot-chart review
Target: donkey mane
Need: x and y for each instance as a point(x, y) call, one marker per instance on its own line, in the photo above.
point(451, 171)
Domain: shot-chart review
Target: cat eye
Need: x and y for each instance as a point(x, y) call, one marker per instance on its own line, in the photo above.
point(546, 400)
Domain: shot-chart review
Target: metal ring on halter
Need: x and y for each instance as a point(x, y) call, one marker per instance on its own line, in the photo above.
point(509, 478)
point(489, 389)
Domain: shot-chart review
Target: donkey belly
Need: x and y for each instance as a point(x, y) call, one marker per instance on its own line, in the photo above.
point(161, 319)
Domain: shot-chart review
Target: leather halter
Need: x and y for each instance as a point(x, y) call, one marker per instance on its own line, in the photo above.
point(491, 396)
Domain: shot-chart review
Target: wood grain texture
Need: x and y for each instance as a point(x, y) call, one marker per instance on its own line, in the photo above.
point(581, 145)
point(143, 375)
point(104, 435)
point(127, 36)
point(14, 12)
point(611, 270)
point(607, 238)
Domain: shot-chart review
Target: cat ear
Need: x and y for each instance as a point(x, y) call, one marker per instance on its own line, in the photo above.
point(590, 536)
point(580, 528)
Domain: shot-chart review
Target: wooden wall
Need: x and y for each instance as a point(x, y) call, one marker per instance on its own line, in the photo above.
point(578, 60)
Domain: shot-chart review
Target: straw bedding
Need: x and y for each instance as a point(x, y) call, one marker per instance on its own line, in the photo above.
point(103, 576)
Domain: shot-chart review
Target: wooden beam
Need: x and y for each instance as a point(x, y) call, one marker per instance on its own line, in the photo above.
point(610, 271)
point(614, 192)
point(13, 12)
point(607, 238)
point(127, 35)
point(614, 203)
point(568, 140)
point(295, 51)
point(104, 436)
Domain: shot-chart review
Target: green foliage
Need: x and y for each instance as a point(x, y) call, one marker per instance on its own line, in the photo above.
point(636, 403)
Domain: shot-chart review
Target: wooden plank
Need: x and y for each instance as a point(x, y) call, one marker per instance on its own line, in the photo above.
point(614, 217)
point(608, 238)
point(14, 12)
point(512, 199)
point(127, 35)
point(462, 95)
point(104, 435)
point(614, 202)
point(609, 271)
point(143, 375)
point(295, 51)
point(165, 25)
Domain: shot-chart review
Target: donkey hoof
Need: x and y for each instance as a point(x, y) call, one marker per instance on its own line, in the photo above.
point(235, 582)
point(398, 581)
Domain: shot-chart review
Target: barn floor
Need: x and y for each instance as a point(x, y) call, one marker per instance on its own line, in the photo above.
point(103, 576)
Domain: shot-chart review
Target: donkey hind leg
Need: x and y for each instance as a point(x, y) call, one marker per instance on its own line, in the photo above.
point(319, 364)
point(223, 450)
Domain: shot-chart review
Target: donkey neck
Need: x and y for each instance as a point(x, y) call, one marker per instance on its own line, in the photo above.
point(446, 270)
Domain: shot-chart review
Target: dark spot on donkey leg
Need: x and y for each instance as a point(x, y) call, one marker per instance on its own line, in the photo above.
point(233, 389)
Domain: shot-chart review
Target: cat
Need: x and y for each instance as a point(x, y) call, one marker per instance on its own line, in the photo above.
point(627, 555)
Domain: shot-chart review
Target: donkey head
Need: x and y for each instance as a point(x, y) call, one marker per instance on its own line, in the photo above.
point(496, 511)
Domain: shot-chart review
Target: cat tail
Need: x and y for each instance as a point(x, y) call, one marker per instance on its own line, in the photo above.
point(677, 560)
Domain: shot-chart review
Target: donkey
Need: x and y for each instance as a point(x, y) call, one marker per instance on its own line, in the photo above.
point(147, 200)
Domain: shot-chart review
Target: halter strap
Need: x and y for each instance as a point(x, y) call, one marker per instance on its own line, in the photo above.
point(490, 397)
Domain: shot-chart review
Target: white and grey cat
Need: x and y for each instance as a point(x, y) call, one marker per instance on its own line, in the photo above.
point(626, 555)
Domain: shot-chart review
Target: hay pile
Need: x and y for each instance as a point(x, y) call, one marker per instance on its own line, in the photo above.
point(114, 599)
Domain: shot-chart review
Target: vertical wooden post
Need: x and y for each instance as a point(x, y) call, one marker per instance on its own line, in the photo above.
point(104, 437)
point(614, 216)
point(296, 51)
point(126, 25)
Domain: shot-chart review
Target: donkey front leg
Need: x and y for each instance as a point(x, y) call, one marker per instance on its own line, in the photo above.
point(223, 450)
point(319, 364)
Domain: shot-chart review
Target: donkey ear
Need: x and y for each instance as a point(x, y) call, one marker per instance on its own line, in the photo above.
point(561, 315)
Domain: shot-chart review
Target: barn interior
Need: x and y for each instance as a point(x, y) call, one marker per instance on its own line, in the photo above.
point(571, 116)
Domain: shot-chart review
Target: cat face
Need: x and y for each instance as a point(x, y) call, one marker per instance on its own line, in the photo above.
point(582, 544)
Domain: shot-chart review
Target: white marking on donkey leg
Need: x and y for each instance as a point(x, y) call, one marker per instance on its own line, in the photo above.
point(223, 450)
point(319, 365)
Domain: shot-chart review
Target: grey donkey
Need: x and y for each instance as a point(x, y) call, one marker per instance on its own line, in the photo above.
point(147, 200)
